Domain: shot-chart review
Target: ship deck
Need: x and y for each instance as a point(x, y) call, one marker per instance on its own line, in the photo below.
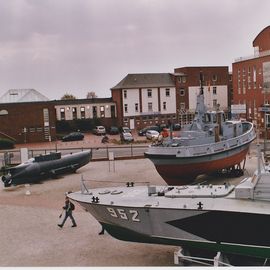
point(199, 197)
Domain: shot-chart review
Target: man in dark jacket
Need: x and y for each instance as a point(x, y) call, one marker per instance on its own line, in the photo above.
point(69, 207)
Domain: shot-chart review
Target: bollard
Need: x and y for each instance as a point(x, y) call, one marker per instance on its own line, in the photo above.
point(27, 192)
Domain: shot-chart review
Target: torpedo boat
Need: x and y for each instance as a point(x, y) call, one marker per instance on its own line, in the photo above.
point(45, 166)
point(217, 218)
point(209, 144)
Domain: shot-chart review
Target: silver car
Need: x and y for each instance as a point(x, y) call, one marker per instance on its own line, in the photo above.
point(99, 130)
point(151, 134)
point(126, 137)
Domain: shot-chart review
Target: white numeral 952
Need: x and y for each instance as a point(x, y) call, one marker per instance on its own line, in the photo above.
point(124, 214)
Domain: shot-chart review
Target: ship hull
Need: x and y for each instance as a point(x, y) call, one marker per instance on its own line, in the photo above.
point(184, 170)
point(188, 228)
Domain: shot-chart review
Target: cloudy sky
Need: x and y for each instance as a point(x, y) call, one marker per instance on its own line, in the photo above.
point(77, 46)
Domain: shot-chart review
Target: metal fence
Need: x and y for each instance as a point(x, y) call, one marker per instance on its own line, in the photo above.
point(13, 157)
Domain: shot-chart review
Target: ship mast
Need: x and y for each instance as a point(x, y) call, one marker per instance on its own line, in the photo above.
point(200, 108)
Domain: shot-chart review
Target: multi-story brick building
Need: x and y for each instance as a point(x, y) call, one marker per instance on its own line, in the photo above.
point(28, 121)
point(37, 121)
point(149, 99)
point(251, 80)
point(216, 81)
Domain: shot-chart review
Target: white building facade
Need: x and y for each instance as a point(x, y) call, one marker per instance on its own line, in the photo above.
point(215, 97)
point(146, 99)
point(85, 109)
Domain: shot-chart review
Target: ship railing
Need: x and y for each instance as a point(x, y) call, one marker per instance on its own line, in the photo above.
point(219, 260)
point(85, 189)
point(197, 150)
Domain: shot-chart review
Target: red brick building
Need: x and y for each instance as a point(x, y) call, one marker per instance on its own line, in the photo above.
point(155, 98)
point(28, 121)
point(216, 83)
point(251, 79)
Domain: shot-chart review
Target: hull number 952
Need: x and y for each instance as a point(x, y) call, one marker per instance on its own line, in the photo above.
point(124, 214)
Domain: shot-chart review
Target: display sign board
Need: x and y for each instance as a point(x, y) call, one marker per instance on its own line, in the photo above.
point(264, 109)
point(238, 108)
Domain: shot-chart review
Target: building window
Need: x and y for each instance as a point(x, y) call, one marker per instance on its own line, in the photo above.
point(267, 116)
point(214, 78)
point(126, 108)
point(74, 112)
point(150, 106)
point(184, 79)
point(214, 90)
point(167, 92)
point(179, 79)
point(164, 106)
point(244, 72)
point(214, 103)
point(182, 106)
point(125, 93)
point(94, 111)
point(149, 93)
point(136, 107)
point(82, 112)
point(62, 114)
point(254, 74)
point(182, 91)
point(102, 111)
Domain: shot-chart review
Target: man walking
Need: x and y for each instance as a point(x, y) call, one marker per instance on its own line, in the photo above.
point(69, 207)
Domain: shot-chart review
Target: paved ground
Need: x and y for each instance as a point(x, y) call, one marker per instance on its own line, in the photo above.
point(29, 234)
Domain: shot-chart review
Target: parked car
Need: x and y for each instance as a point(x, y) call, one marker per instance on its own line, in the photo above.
point(126, 137)
point(142, 132)
point(125, 129)
point(74, 136)
point(151, 134)
point(99, 130)
point(113, 130)
point(162, 126)
point(176, 126)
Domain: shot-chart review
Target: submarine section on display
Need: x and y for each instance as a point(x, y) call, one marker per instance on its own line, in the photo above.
point(45, 166)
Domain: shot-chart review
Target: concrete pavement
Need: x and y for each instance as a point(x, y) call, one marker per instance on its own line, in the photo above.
point(29, 234)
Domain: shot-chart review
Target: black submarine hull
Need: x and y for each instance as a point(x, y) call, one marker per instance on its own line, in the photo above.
point(44, 167)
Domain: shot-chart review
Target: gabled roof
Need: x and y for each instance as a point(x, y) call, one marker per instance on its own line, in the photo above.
point(146, 80)
point(22, 95)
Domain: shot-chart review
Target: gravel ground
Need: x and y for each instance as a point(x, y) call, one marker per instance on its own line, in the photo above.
point(29, 234)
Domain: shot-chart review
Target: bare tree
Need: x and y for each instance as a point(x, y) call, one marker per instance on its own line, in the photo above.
point(68, 96)
point(91, 94)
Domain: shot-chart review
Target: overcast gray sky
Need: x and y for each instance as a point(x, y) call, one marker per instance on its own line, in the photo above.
point(77, 46)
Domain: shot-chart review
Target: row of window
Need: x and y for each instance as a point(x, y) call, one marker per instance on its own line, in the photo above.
point(251, 81)
point(151, 117)
point(184, 79)
point(149, 93)
point(82, 115)
point(149, 105)
point(31, 129)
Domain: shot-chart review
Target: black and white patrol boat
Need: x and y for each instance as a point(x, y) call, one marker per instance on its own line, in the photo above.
point(221, 218)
